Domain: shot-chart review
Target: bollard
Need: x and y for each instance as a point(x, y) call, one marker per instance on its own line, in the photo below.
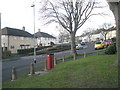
point(55, 62)
point(84, 54)
point(97, 53)
point(14, 74)
point(74, 57)
point(45, 68)
point(32, 69)
point(63, 60)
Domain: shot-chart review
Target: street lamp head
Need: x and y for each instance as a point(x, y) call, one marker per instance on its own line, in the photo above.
point(33, 5)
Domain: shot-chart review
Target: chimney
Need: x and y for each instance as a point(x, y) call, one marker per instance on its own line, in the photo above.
point(38, 30)
point(23, 28)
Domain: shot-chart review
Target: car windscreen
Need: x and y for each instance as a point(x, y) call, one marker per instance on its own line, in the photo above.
point(98, 42)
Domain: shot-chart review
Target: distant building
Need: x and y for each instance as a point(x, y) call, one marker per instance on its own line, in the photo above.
point(44, 39)
point(95, 36)
point(111, 34)
point(14, 39)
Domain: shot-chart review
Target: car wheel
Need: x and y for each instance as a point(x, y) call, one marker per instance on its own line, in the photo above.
point(95, 48)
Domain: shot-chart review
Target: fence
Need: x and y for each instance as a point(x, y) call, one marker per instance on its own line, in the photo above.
point(56, 61)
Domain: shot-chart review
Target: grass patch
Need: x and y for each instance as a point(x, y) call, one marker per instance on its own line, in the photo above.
point(5, 60)
point(92, 72)
point(71, 56)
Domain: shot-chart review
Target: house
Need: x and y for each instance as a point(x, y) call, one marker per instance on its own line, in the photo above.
point(14, 39)
point(44, 39)
point(111, 34)
point(97, 35)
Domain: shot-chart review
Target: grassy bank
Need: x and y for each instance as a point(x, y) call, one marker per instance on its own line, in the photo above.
point(92, 72)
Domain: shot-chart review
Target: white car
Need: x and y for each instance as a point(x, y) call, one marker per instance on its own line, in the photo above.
point(79, 46)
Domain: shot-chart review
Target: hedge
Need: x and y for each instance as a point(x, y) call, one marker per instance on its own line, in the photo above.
point(111, 49)
point(27, 51)
point(55, 48)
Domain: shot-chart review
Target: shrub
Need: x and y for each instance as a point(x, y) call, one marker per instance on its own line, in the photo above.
point(111, 49)
point(27, 51)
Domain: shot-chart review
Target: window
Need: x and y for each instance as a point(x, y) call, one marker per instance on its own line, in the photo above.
point(12, 47)
point(24, 46)
point(4, 48)
point(3, 36)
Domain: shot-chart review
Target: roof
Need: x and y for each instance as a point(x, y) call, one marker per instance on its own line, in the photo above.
point(15, 32)
point(43, 34)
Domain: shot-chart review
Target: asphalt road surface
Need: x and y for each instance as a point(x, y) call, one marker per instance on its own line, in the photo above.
point(22, 64)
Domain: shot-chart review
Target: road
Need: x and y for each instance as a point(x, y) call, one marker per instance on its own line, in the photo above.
point(22, 64)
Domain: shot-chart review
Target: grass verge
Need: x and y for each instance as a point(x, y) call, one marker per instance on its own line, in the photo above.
point(92, 72)
point(71, 56)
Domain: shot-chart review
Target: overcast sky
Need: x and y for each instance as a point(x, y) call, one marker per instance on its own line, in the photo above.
point(19, 13)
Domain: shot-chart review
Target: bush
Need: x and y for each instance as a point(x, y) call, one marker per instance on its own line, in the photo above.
point(111, 49)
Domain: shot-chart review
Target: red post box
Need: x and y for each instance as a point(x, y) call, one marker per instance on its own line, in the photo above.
point(50, 61)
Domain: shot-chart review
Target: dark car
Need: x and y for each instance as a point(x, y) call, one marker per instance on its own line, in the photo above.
point(82, 43)
point(79, 46)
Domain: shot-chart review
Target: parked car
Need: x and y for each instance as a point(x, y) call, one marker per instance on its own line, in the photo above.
point(82, 43)
point(99, 45)
point(79, 46)
point(108, 42)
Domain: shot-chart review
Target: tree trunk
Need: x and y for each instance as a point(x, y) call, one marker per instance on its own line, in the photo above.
point(115, 7)
point(73, 46)
point(105, 37)
point(118, 35)
point(117, 18)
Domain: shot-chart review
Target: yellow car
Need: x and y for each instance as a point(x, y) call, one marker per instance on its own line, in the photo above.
point(99, 45)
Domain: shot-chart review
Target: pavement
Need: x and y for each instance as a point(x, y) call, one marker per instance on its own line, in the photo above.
point(39, 73)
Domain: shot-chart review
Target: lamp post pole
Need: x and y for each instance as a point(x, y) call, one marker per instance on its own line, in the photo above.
point(34, 33)
point(0, 55)
point(0, 38)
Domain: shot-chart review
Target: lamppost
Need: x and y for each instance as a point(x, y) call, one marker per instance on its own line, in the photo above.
point(34, 33)
point(0, 38)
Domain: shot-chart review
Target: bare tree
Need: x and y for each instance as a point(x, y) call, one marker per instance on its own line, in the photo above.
point(105, 28)
point(70, 14)
point(64, 36)
point(89, 32)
